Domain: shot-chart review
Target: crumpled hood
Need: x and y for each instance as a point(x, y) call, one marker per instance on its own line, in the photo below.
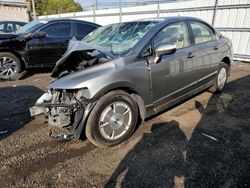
point(84, 78)
point(74, 46)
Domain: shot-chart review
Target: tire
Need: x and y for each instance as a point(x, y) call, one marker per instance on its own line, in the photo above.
point(112, 120)
point(10, 66)
point(220, 79)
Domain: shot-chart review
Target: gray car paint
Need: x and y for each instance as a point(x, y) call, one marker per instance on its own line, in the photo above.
point(156, 84)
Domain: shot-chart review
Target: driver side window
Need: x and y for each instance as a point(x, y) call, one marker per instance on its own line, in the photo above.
point(176, 33)
point(58, 29)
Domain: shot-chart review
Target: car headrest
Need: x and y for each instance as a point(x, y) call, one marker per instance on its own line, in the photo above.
point(9, 29)
point(197, 32)
point(172, 31)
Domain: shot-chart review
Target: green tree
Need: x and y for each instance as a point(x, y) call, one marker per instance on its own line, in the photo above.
point(46, 7)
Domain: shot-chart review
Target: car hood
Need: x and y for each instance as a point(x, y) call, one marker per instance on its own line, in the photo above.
point(74, 47)
point(84, 78)
point(4, 36)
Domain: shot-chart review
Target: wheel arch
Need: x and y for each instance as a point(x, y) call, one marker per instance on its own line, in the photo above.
point(22, 60)
point(133, 94)
point(228, 62)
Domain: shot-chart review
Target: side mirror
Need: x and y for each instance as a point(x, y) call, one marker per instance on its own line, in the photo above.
point(164, 49)
point(39, 35)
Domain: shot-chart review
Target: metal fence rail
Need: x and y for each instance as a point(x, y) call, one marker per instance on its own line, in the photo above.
point(231, 18)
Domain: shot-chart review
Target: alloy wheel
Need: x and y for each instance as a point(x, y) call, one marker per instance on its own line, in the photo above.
point(115, 120)
point(8, 67)
point(222, 78)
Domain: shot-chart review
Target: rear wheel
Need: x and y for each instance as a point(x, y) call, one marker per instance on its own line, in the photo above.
point(112, 120)
point(221, 79)
point(10, 65)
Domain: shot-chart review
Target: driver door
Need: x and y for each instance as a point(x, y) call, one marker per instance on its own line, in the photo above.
point(173, 75)
point(47, 51)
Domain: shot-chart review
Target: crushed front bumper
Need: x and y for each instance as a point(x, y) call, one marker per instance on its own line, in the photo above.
point(70, 113)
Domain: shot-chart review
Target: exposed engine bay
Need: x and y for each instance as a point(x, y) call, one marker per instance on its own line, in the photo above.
point(78, 56)
point(79, 60)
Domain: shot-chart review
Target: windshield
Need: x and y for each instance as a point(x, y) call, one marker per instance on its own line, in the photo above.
point(119, 38)
point(31, 26)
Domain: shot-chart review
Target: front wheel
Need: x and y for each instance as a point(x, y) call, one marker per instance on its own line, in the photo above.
point(221, 79)
point(10, 66)
point(112, 120)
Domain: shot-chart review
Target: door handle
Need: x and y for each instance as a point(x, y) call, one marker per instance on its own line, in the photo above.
point(190, 55)
point(216, 47)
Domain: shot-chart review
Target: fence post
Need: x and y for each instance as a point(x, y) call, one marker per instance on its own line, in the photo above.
point(120, 11)
point(34, 9)
point(94, 16)
point(215, 12)
point(158, 9)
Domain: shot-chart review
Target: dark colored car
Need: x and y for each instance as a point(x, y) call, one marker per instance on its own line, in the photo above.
point(39, 43)
point(124, 72)
point(10, 26)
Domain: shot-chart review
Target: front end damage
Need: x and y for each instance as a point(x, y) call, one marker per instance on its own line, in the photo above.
point(67, 109)
point(67, 104)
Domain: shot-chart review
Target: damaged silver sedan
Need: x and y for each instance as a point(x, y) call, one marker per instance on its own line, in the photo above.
point(122, 73)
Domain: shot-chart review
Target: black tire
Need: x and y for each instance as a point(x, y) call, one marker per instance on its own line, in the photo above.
point(93, 126)
point(216, 88)
point(16, 66)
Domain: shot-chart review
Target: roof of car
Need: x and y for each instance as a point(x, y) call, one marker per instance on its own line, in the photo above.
point(67, 19)
point(11, 21)
point(160, 19)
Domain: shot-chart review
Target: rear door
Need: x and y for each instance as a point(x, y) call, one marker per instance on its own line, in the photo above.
point(205, 49)
point(83, 29)
point(46, 51)
point(173, 76)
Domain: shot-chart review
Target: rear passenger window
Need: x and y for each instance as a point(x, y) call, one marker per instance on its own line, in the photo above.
point(202, 33)
point(176, 33)
point(84, 29)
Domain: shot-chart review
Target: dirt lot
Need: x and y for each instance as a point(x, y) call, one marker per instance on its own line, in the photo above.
point(203, 142)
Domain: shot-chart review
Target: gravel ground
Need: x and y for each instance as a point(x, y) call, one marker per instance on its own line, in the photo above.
point(203, 142)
